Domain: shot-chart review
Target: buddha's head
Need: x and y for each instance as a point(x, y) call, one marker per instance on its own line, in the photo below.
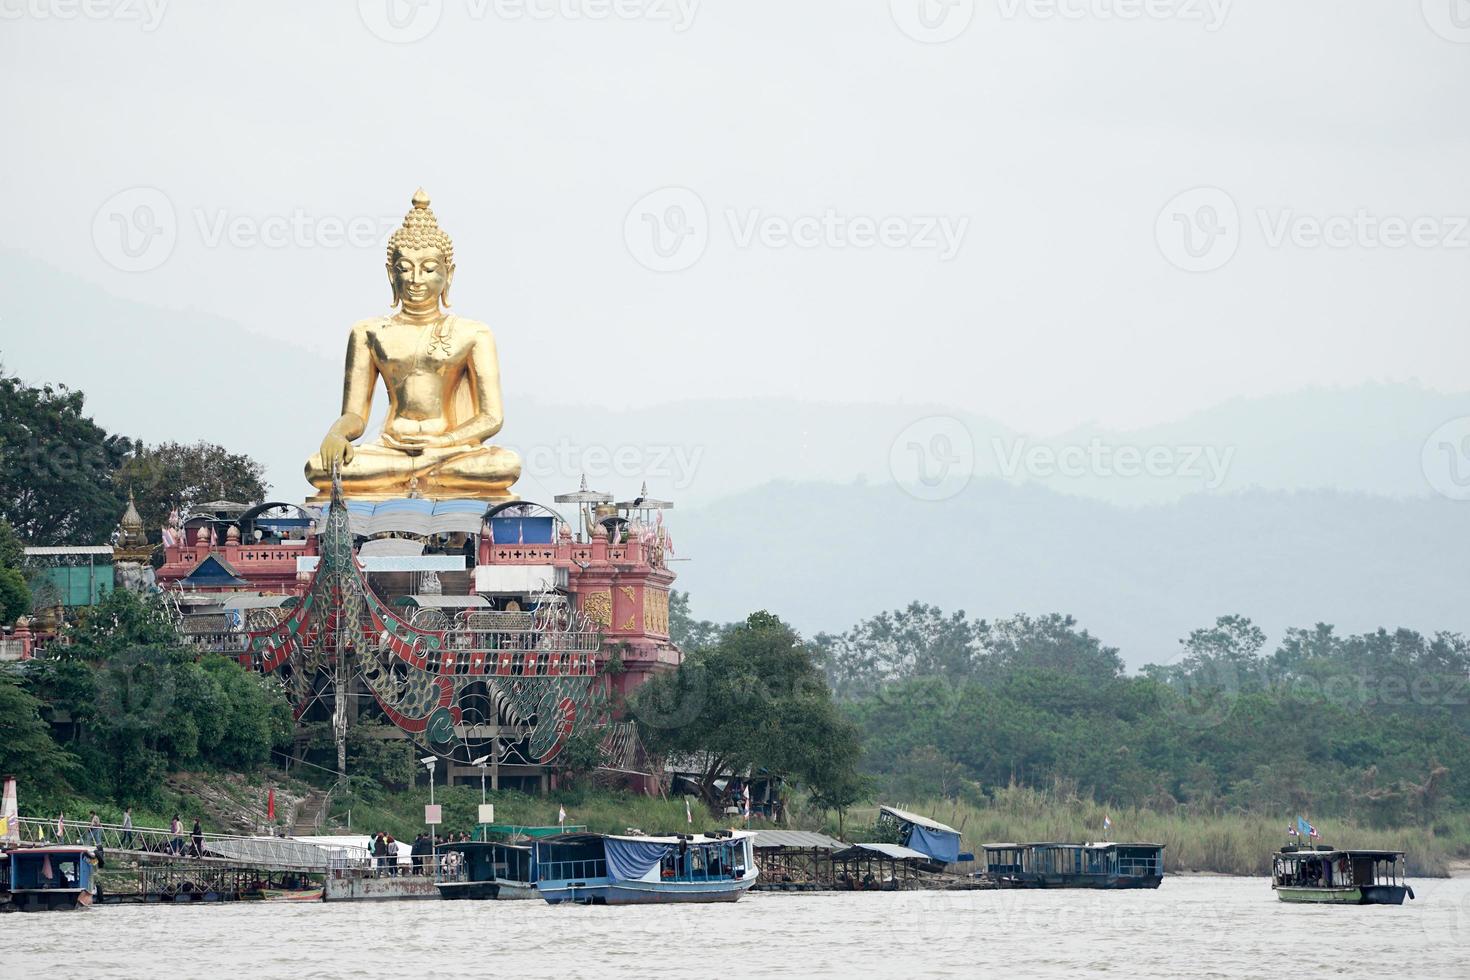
point(420, 260)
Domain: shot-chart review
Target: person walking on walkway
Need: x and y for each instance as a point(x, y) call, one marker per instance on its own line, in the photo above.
point(198, 839)
point(95, 830)
point(176, 835)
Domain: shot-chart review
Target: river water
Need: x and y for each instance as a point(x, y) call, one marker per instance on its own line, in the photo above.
point(1190, 927)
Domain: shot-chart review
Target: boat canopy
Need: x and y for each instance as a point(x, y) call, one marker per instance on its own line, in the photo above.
point(938, 841)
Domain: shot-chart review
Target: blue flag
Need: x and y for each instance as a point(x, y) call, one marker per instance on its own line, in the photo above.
point(1303, 828)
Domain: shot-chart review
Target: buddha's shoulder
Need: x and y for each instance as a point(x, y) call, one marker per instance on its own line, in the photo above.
point(471, 326)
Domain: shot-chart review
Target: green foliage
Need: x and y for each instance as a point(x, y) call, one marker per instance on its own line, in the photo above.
point(133, 703)
point(581, 754)
point(56, 485)
point(176, 475)
point(12, 549)
point(754, 700)
point(1374, 726)
point(15, 596)
point(687, 632)
point(26, 747)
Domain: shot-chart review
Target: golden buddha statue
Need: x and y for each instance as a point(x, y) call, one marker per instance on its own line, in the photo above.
point(442, 377)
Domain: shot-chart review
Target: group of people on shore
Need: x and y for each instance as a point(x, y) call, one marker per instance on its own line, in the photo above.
point(383, 848)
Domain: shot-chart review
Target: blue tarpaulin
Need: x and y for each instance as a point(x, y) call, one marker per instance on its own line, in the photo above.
point(630, 860)
point(939, 844)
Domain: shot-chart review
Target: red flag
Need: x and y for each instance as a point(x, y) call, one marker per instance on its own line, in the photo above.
point(270, 804)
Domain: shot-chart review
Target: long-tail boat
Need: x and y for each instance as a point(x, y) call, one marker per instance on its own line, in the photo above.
point(1330, 876)
point(599, 869)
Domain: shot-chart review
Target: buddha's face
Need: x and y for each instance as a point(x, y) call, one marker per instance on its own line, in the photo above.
point(420, 278)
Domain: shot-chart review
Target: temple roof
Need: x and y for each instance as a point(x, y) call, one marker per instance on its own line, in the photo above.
point(212, 571)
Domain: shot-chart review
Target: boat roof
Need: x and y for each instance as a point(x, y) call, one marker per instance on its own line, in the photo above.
point(1360, 851)
point(1094, 845)
point(907, 817)
point(896, 851)
point(50, 849)
point(669, 839)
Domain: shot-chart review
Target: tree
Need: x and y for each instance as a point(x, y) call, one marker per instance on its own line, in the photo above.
point(176, 475)
point(56, 485)
point(920, 641)
point(687, 632)
point(15, 596)
point(12, 549)
point(26, 747)
point(754, 700)
point(581, 754)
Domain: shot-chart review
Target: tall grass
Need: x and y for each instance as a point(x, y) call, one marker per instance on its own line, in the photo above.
point(1230, 843)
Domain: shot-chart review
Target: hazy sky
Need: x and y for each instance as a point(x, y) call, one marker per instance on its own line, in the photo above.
point(661, 199)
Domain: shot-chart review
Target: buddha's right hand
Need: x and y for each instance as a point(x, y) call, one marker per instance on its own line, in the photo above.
point(336, 451)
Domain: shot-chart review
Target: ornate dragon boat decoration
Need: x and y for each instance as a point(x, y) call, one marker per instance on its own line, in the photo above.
point(458, 688)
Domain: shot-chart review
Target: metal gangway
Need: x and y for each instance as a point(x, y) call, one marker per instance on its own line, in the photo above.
point(159, 844)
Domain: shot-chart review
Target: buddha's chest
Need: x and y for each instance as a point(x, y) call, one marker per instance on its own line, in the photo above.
point(402, 351)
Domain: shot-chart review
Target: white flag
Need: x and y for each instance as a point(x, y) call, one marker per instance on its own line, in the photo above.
point(688, 814)
point(561, 815)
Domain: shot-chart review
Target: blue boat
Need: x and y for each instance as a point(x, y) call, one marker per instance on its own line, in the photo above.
point(49, 878)
point(600, 869)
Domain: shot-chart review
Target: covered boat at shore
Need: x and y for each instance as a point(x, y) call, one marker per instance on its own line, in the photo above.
point(1328, 876)
point(598, 869)
point(1106, 864)
point(50, 878)
point(486, 870)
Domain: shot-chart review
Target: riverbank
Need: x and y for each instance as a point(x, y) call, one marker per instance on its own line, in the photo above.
point(1220, 843)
